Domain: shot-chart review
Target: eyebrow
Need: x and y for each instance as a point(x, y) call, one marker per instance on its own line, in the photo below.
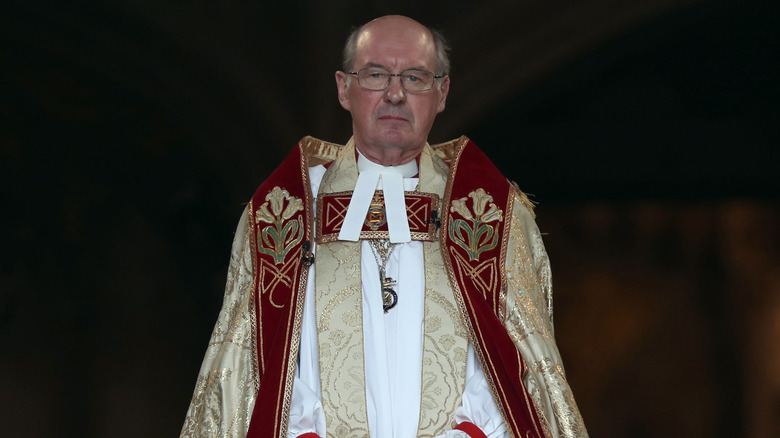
point(374, 65)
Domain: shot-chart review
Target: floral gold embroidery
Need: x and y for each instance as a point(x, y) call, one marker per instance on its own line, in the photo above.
point(474, 233)
point(283, 234)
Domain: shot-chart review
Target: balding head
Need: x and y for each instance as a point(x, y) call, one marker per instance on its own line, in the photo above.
point(442, 65)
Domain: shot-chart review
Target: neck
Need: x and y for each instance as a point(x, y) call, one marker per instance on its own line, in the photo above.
point(407, 169)
point(388, 156)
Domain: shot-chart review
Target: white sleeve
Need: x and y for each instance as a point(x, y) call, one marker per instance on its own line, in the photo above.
point(478, 406)
point(306, 414)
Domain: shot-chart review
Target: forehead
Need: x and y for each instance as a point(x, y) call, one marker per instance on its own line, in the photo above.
point(400, 46)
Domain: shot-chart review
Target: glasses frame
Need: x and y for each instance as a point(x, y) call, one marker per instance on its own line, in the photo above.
point(390, 78)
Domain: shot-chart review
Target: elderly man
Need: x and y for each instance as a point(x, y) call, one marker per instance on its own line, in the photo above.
point(386, 288)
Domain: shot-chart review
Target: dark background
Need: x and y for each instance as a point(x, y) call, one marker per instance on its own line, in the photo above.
point(132, 133)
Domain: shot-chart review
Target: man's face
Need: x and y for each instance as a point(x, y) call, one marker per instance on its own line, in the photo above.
point(392, 119)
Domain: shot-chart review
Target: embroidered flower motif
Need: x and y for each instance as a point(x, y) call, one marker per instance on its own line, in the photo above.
point(473, 232)
point(283, 234)
point(459, 206)
point(276, 199)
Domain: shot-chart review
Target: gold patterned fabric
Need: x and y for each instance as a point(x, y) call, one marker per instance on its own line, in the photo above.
point(529, 321)
point(225, 391)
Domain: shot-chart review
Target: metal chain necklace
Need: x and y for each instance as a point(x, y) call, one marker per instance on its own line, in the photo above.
point(382, 248)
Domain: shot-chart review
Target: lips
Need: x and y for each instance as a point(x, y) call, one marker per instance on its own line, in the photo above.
point(392, 117)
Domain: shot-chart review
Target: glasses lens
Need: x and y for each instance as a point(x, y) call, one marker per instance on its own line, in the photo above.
point(373, 79)
point(417, 80)
point(411, 80)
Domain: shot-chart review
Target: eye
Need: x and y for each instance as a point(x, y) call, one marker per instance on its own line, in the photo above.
point(374, 73)
point(413, 78)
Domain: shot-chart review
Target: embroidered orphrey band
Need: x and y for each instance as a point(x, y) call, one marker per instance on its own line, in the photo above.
point(421, 210)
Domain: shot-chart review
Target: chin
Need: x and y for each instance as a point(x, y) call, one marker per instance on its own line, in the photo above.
point(395, 138)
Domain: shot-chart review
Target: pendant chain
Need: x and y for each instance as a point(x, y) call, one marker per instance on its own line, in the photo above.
point(382, 248)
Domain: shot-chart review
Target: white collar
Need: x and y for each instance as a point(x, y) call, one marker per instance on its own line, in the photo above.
point(390, 178)
point(407, 170)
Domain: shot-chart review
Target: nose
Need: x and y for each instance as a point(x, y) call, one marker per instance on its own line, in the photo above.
point(395, 93)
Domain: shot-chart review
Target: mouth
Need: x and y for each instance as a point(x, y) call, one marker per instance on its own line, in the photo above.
point(392, 117)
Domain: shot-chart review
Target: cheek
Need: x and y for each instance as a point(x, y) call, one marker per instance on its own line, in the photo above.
point(427, 112)
point(363, 107)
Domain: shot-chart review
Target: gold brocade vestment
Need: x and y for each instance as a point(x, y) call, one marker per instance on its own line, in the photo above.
point(229, 380)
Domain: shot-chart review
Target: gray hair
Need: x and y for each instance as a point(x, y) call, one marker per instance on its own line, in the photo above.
point(442, 51)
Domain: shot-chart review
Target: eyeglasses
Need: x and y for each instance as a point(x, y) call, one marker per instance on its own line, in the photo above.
point(377, 79)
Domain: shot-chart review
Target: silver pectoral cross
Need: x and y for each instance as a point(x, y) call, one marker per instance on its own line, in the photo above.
point(389, 297)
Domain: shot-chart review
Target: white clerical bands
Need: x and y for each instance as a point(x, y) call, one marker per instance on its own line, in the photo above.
point(378, 214)
point(393, 188)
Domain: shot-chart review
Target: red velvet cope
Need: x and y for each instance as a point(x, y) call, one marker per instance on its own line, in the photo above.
point(471, 429)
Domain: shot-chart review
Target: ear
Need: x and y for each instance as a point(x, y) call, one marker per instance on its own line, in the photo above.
point(341, 87)
point(444, 90)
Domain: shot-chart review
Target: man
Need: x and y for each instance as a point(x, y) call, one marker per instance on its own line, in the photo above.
point(386, 288)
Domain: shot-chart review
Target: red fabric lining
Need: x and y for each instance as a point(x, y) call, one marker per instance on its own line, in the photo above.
point(311, 435)
point(471, 429)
